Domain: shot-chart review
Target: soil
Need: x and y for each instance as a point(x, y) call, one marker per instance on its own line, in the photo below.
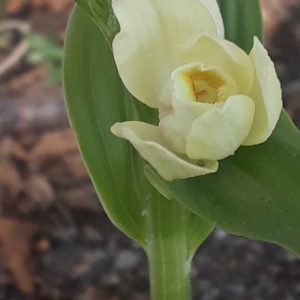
point(56, 241)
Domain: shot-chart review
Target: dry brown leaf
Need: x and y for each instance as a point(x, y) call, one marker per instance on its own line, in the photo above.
point(10, 148)
point(74, 197)
point(38, 2)
point(274, 12)
point(54, 145)
point(10, 181)
point(14, 6)
point(59, 5)
point(56, 5)
point(16, 239)
point(39, 190)
point(76, 165)
point(30, 78)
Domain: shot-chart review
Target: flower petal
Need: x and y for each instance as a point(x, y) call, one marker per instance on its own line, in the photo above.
point(214, 51)
point(148, 141)
point(219, 132)
point(146, 49)
point(214, 9)
point(266, 94)
point(176, 125)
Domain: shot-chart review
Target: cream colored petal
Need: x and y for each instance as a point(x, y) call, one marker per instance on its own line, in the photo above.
point(214, 51)
point(148, 141)
point(146, 49)
point(214, 9)
point(266, 94)
point(176, 125)
point(218, 133)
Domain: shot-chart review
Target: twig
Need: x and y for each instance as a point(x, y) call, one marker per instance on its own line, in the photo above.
point(20, 26)
point(20, 50)
point(9, 62)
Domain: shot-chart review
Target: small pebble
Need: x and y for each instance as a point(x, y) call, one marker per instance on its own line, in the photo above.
point(126, 260)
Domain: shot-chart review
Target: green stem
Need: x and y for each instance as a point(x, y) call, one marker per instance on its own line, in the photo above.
point(167, 251)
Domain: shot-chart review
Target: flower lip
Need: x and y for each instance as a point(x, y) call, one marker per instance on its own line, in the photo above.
point(195, 82)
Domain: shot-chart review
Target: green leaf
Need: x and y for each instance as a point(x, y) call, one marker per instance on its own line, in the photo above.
point(255, 193)
point(100, 11)
point(243, 21)
point(96, 99)
point(43, 49)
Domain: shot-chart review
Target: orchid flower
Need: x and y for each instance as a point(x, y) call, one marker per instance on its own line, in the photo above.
point(211, 96)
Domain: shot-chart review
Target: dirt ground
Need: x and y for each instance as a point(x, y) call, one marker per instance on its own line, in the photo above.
point(55, 240)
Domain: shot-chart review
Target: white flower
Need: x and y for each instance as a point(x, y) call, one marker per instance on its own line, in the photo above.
point(211, 96)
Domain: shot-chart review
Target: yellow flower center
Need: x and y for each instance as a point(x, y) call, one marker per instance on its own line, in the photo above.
point(193, 82)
